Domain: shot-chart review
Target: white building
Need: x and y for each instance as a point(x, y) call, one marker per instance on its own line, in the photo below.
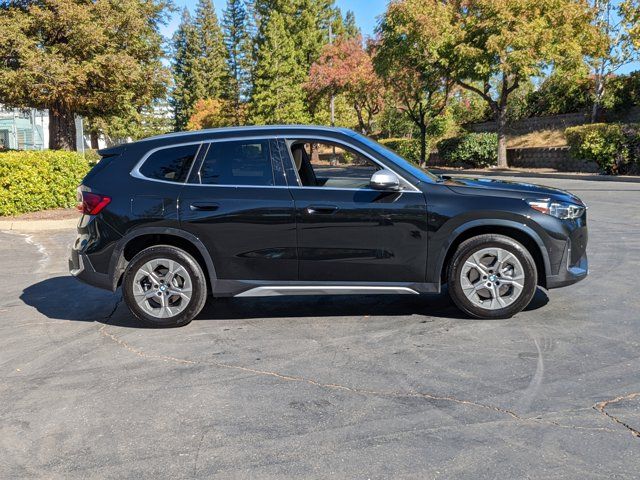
point(29, 130)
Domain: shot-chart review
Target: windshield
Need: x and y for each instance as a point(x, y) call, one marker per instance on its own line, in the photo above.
point(422, 175)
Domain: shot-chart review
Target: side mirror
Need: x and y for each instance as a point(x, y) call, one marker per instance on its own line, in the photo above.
point(384, 180)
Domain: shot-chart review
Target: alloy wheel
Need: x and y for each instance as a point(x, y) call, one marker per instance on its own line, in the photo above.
point(162, 288)
point(492, 278)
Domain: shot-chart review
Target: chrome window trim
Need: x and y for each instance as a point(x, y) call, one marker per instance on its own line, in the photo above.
point(357, 149)
point(135, 172)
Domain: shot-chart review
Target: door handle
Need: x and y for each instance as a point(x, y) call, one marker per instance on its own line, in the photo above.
point(204, 206)
point(321, 209)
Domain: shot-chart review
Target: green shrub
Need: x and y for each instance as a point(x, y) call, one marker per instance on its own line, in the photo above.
point(407, 148)
point(622, 92)
point(470, 150)
point(33, 180)
point(604, 143)
point(560, 93)
point(92, 157)
point(631, 134)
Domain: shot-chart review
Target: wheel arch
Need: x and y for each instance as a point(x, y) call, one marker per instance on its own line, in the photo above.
point(141, 238)
point(517, 231)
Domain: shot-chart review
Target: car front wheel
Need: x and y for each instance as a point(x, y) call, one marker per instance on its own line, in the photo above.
point(492, 276)
point(164, 286)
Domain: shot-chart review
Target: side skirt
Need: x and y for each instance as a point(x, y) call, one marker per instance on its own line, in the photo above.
point(239, 288)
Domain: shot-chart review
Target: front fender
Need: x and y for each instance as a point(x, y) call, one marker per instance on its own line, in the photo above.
point(456, 231)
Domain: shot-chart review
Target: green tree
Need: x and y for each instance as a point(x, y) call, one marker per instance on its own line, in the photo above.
point(239, 55)
point(500, 44)
point(615, 49)
point(154, 119)
point(72, 57)
point(306, 22)
point(351, 29)
point(186, 53)
point(408, 59)
point(199, 61)
point(630, 10)
point(278, 96)
point(212, 69)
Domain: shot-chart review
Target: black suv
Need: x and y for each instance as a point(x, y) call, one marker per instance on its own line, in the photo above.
point(301, 210)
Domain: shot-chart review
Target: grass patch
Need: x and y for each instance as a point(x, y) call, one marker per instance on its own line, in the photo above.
point(540, 138)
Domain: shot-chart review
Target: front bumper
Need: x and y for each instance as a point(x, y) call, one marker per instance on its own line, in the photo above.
point(81, 268)
point(571, 270)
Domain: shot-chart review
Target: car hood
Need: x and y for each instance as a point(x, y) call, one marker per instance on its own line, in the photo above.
point(490, 186)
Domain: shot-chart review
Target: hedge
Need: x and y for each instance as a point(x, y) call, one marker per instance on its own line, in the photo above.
point(614, 147)
point(408, 148)
point(470, 150)
point(39, 180)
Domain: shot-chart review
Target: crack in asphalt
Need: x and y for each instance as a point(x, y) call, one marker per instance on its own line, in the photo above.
point(601, 407)
point(333, 386)
point(113, 311)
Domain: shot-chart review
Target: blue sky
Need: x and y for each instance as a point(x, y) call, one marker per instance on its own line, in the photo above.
point(366, 12)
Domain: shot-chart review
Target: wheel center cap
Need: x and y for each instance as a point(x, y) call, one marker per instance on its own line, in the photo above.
point(163, 288)
point(492, 278)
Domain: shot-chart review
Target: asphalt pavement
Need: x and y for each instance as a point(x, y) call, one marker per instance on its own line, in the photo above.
point(316, 387)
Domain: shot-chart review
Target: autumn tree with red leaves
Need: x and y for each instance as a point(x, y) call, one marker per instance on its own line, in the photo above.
point(346, 68)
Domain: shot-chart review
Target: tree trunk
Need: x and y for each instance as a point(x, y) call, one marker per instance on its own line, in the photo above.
point(62, 128)
point(94, 140)
point(361, 122)
point(423, 145)
point(502, 137)
point(598, 94)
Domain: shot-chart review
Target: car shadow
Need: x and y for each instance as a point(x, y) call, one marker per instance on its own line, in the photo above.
point(65, 298)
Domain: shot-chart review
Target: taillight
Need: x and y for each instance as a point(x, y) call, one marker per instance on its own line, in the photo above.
point(92, 203)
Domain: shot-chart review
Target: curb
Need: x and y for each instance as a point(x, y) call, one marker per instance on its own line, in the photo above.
point(31, 226)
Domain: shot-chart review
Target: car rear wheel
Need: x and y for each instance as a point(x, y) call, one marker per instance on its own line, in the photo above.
point(164, 287)
point(492, 276)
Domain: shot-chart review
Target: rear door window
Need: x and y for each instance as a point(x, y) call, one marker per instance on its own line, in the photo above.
point(170, 164)
point(238, 162)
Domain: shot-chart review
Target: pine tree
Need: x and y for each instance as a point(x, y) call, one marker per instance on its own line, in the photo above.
point(186, 55)
point(278, 96)
point(351, 29)
point(211, 71)
point(306, 22)
point(239, 56)
point(199, 61)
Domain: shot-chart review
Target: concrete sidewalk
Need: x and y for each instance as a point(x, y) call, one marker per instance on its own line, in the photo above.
point(39, 225)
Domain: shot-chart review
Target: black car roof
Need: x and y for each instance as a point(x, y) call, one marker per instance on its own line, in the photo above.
point(254, 129)
point(210, 133)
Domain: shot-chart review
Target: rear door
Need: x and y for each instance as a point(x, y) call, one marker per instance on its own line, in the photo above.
point(238, 204)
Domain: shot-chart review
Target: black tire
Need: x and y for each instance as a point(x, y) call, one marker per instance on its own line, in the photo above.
point(476, 244)
point(198, 286)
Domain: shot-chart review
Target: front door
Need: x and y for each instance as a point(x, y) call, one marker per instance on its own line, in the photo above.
point(348, 232)
point(238, 204)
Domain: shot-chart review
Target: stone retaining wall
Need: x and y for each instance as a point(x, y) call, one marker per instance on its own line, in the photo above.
point(557, 122)
point(557, 158)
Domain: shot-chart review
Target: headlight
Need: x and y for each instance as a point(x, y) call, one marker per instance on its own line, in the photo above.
point(561, 210)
